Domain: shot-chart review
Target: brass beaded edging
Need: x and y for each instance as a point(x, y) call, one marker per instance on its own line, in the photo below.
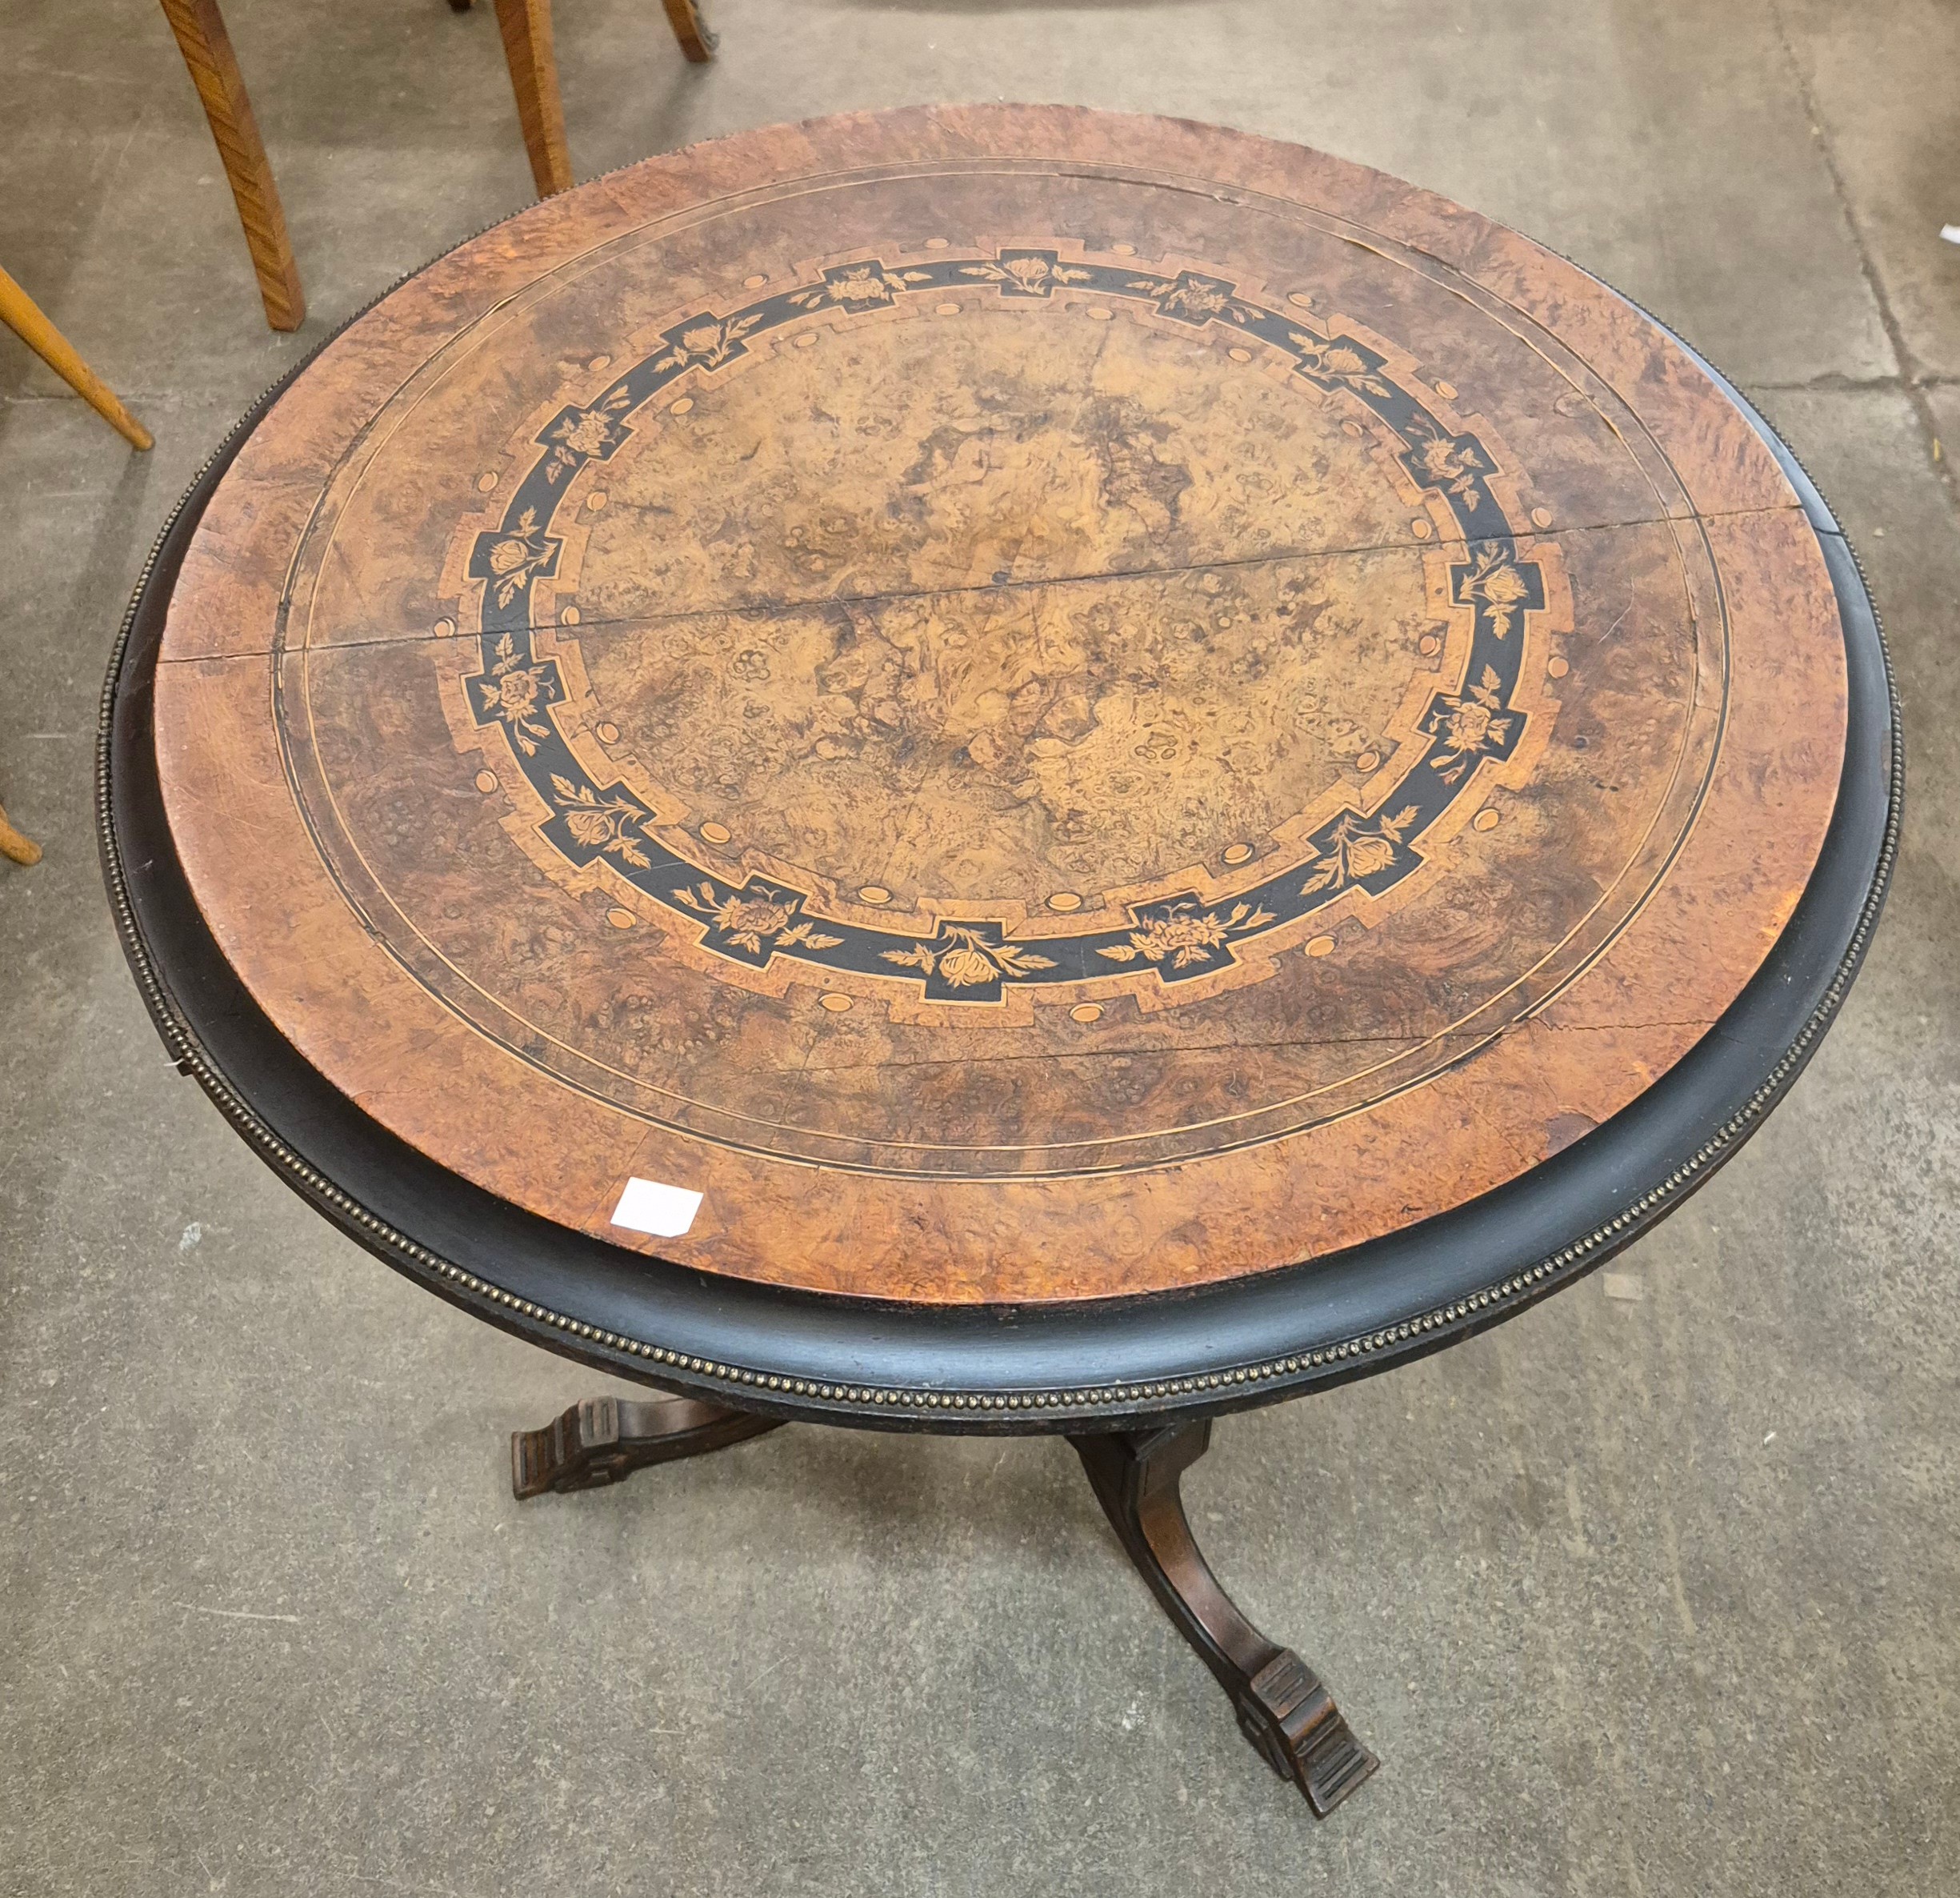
point(180, 1041)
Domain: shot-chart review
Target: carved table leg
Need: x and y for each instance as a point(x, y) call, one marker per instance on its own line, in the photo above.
point(605, 1439)
point(1282, 1708)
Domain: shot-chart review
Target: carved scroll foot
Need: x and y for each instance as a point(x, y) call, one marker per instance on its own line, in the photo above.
point(605, 1439)
point(1282, 1707)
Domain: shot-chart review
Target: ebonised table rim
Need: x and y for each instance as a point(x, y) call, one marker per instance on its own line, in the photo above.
point(1030, 1369)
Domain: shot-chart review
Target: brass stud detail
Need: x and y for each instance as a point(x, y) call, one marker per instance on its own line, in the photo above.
point(487, 781)
point(946, 309)
point(1237, 853)
point(485, 481)
point(1085, 1011)
point(1445, 391)
point(1239, 355)
point(1484, 820)
point(1320, 946)
point(620, 919)
point(715, 833)
point(608, 731)
point(836, 1003)
point(874, 893)
point(569, 616)
point(1556, 666)
point(596, 499)
point(445, 629)
point(1367, 761)
point(1065, 900)
point(1541, 517)
point(682, 407)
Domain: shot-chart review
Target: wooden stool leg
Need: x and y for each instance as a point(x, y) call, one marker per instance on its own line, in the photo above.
point(1282, 1707)
point(526, 26)
point(206, 47)
point(605, 1439)
point(691, 30)
point(22, 315)
point(22, 850)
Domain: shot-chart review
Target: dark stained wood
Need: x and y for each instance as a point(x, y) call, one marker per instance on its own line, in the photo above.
point(1283, 1706)
point(1028, 731)
point(602, 1440)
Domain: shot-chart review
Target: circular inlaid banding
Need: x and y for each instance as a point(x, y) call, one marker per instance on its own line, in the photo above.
point(981, 634)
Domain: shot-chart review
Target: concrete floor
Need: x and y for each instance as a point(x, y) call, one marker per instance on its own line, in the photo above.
point(1632, 1596)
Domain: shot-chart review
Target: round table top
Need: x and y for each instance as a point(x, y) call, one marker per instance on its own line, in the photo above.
point(1000, 706)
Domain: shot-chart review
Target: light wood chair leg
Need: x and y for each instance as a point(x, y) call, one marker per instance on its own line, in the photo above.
point(691, 30)
point(206, 47)
point(22, 315)
point(526, 26)
point(22, 850)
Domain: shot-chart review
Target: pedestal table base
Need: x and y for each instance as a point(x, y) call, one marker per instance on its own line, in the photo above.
point(1283, 1706)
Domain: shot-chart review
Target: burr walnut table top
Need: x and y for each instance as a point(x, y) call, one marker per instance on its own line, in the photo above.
point(1037, 706)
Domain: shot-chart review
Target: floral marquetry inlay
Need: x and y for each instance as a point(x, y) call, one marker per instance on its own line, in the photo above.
point(1091, 714)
